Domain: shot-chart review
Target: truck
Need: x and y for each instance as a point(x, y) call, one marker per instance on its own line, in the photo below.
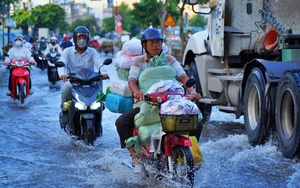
point(247, 62)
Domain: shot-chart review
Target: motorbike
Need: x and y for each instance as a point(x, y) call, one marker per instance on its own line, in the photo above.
point(20, 79)
point(41, 61)
point(169, 150)
point(86, 105)
point(52, 57)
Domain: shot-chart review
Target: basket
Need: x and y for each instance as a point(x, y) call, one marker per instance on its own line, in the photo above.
point(179, 123)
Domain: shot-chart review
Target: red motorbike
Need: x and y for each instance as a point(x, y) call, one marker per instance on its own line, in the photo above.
point(169, 151)
point(20, 79)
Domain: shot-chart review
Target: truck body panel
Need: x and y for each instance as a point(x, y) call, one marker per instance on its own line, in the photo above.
point(249, 51)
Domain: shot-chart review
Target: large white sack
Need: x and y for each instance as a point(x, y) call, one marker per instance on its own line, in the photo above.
point(120, 87)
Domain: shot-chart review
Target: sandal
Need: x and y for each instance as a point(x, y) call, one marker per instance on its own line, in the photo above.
point(137, 166)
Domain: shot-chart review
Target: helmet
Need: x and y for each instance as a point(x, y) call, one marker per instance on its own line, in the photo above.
point(66, 36)
point(151, 34)
point(42, 38)
point(19, 36)
point(53, 38)
point(80, 31)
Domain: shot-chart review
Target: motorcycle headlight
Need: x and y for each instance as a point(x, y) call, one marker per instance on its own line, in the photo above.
point(80, 106)
point(20, 63)
point(95, 105)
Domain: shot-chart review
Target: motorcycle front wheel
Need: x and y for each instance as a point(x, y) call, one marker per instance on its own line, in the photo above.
point(88, 132)
point(22, 93)
point(183, 165)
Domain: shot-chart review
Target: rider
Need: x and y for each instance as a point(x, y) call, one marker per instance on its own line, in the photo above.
point(42, 45)
point(18, 52)
point(53, 46)
point(66, 42)
point(152, 41)
point(76, 57)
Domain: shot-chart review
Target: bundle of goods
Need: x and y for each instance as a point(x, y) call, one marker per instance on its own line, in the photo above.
point(119, 98)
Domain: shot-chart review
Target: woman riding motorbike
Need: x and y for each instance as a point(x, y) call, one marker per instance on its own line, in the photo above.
point(18, 52)
point(152, 42)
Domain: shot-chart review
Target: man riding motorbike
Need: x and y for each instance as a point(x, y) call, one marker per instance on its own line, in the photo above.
point(152, 42)
point(76, 57)
point(18, 52)
point(53, 46)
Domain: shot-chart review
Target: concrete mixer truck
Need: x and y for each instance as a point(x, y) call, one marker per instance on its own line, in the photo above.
point(247, 62)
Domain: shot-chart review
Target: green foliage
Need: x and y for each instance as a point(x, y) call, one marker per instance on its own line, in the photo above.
point(89, 22)
point(49, 15)
point(198, 21)
point(108, 24)
point(146, 13)
point(22, 17)
point(203, 1)
point(6, 3)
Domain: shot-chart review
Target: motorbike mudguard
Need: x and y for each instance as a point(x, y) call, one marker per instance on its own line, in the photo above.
point(88, 116)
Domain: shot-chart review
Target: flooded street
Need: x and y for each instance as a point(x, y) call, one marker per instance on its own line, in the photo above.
point(36, 152)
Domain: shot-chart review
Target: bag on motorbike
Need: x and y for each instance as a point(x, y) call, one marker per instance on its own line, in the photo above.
point(145, 133)
point(196, 152)
point(166, 85)
point(117, 103)
point(153, 75)
point(123, 74)
point(148, 114)
point(120, 87)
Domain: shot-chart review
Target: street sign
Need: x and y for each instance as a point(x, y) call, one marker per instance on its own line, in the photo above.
point(170, 21)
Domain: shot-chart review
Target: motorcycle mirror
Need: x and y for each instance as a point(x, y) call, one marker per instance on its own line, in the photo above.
point(190, 82)
point(59, 64)
point(107, 61)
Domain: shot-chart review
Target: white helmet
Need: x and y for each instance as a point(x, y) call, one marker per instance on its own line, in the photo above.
point(53, 38)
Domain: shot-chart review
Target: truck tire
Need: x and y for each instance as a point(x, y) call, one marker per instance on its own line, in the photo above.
point(204, 108)
point(288, 114)
point(256, 108)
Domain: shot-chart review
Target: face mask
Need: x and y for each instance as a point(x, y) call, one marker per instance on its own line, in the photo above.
point(18, 43)
point(43, 40)
point(53, 43)
point(81, 43)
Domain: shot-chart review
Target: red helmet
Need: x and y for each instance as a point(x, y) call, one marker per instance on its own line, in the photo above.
point(66, 36)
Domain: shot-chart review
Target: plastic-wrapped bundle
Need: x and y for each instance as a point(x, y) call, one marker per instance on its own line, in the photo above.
point(165, 85)
point(179, 106)
point(130, 49)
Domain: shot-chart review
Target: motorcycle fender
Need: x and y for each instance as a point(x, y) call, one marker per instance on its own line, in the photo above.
point(52, 69)
point(175, 140)
point(20, 81)
point(88, 116)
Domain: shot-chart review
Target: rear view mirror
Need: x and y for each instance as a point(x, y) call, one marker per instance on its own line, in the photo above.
point(107, 61)
point(59, 64)
point(190, 82)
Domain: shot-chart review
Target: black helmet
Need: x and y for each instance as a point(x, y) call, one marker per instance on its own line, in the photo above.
point(80, 31)
point(151, 34)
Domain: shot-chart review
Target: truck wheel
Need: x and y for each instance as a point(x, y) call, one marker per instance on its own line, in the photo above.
point(255, 108)
point(288, 114)
point(204, 108)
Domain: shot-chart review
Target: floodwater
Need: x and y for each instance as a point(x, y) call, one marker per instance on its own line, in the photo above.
point(35, 152)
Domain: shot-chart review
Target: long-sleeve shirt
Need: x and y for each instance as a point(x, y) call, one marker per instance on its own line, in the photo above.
point(74, 60)
point(19, 53)
point(50, 47)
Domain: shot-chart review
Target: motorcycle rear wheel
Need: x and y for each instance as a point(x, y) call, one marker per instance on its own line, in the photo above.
point(183, 165)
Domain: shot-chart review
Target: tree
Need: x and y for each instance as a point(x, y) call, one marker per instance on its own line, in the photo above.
point(146, 13)
point(51, 16)
point(89, 22)
point(22, 18)
point(198, 21)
